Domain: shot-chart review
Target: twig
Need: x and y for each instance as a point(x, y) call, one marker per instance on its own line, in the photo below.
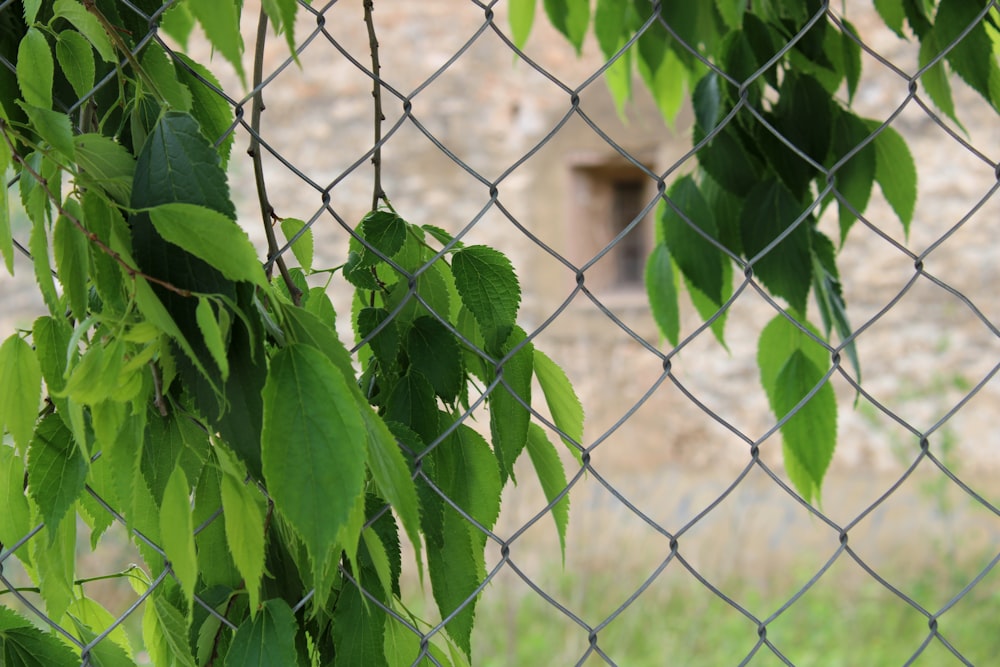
point(132, 271)
point(377, 192)
point(266, 210)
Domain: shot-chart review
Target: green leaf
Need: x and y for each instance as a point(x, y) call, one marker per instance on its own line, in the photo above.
point(731, 12)
point(177, 532)
point(564, 405)
point(54, 560)
point(810, 439)
point(466, 472)
point(552, 476)
point(265, 640)
point(521, 15)
point(178, 164)
point(829, 296)
point(89, 613)
point(935, 78)
point(358, 630)
point(972, 58)
point(810, 436)
point(699, 260)
point(245, 526)
point(411, 402)
point(88, 25)
point(106, 164)
point(892, 13)
point(15, 520)
point(210, 236)
point(488, 286)
point(509, 418)
point(896, 173)
point(855, 177)
point(160, 70)
point(305, 327)
point(76, 59)
point(38, 245)
point(663, 71)
point(303, 246)
point(57, 471)
point(209, 108)
point(571, 18)
point(662, 292)
point(24, 645)
point(72, 251)
point(385, 344)
point(172, 626)
point(178, 23)
point(282, 15)
point(433, 350)
point(313, 438)
point(20, 389)
point(851, 52)
point(612, 31)
point(35, 68)
point(213, 334)
point(786, 269)
point(383, 231)
point(103, 653)
point(52, 126)
point(221, 23)
point(215, 558)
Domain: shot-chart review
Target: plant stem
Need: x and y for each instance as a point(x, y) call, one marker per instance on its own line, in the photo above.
point(377, 192)
point(266, 210)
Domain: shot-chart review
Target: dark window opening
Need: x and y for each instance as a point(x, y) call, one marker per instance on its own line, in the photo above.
point(629, 254)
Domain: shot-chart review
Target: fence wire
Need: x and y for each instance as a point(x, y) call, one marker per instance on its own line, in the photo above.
point(330, 200)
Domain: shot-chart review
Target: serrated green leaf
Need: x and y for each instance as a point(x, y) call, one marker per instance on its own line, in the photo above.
point(972, 58)
point(433, 350)
point(935, 78)
point(160, 71)
point(91, 614)
point(15, 520)
point(38, 245)
point(282, 15)
point(208, 107)
point(35, 68)
point(172, 626)
point(178, 22)
point(88, 25)
point(488, 286)
point(20, 389)
point(521, 15)
point(564, 405)
point(411, 402)
point(552, 477)
point(385, 232)
point(103, 653)
point(855, 177)
point(305, 327)
point(215, 560)
point(662, 292)
point(244, 521)
point(852, 58)
point(392, 475)
point(810, 435)
point(177, 532)
point(212, 334)
point(221, 23)
point(509, 418)
point(210, 236)
point(303, 246)
point(896, 173)
point(24, 645)
point(731, 12)
point(55, 562)
point(829, 296)
point(466, 472)
point(385, 344)
point(786, 269)
point(265, 640)
point(313, 438)
point(72, 251)
point(76, 59)
point(358, 630)
point(57, 471)
point(892, 13)
point(571, 18)
point(105, 164)
point(699, 260)
point(663, 72)
point(777, 342)
point(52, 126)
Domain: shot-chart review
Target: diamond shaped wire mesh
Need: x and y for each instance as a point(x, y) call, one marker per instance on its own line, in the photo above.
point(485, 139)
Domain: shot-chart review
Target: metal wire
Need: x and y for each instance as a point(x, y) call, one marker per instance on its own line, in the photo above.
point(844, 535)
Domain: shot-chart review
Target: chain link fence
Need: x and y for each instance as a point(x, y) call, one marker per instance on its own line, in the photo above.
point(498, 149)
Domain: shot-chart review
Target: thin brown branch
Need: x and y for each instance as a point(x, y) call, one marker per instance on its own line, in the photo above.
point(132, 271)
point(267, 213)
point(378, 194)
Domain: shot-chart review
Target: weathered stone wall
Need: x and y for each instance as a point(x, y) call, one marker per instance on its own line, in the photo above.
point(490, 111)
